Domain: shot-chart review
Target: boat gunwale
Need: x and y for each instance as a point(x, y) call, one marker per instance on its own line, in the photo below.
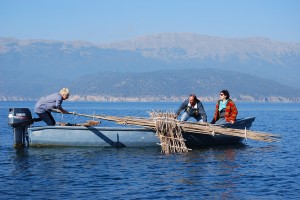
point(37, 128)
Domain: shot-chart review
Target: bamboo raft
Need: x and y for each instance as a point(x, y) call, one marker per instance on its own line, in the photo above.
point(169, 130)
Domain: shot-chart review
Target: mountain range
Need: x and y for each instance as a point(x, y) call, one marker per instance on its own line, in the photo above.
point(166, 65)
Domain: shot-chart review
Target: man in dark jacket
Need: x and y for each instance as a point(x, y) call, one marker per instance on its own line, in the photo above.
point(193, 108)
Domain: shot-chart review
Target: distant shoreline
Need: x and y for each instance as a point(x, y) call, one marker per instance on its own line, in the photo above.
point(159, 99)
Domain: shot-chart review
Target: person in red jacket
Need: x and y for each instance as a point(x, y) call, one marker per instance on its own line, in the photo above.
point(226, 110)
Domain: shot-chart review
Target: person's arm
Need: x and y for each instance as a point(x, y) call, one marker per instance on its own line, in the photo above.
point(215, 118)
point(59, 107)
point(61, 110)
point(233, 112)
point(202, 112)
point(181, 107)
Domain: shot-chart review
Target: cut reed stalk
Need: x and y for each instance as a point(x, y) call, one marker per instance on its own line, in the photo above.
point(188, 127)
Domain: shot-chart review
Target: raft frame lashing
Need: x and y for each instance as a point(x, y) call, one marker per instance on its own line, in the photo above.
point(169, 133)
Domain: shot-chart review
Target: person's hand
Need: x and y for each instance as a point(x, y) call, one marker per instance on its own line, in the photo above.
point(204, 123)
point(55, 110)
point(64, 112)
point(231, 121)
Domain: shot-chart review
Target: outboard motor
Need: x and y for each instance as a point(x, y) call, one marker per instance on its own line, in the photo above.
point(20, 119)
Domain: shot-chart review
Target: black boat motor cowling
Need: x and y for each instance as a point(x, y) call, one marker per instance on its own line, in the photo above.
point(20, 119)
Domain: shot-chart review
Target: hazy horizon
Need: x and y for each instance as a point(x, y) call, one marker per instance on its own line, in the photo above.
point(112, 21)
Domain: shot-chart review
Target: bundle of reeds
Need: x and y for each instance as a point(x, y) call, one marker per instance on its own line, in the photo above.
point(188, 127)
point(205, 128)
point(169, 133)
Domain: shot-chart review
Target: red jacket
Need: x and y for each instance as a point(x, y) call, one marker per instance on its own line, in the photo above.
point(230, 112)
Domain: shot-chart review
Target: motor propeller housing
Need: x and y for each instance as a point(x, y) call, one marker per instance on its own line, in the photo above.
point(20, 119)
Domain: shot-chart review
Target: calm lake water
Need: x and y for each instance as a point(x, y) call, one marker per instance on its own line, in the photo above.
point(253, 170)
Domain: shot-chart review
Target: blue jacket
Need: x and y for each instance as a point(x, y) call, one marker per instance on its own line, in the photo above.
point(46, 104)
point(192, 111)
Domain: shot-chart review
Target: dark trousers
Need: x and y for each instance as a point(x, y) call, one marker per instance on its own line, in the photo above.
point(47, 118)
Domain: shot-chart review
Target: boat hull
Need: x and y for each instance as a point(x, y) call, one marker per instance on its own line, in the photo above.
point(91, 136)
point(194, 140)
point(124, 136)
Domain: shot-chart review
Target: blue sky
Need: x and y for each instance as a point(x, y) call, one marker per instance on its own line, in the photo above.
point(100, 21)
